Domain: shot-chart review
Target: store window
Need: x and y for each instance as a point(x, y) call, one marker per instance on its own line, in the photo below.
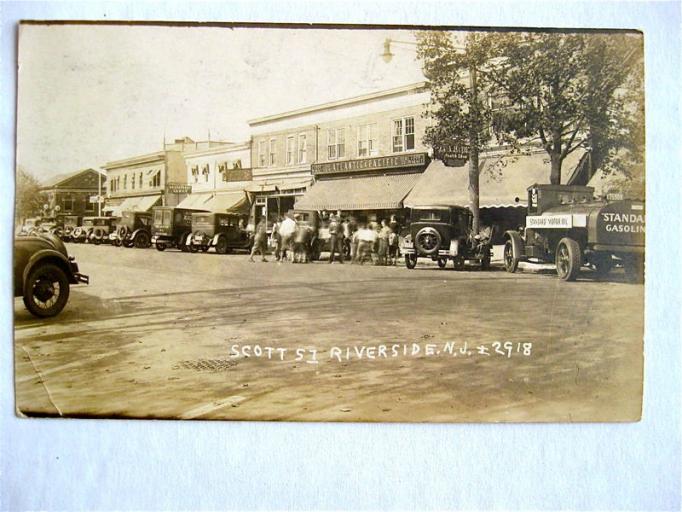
point(403, 134)
point(336, 147)
point(302, 149)
point(367, 145)
point(261, 153)
point(291, 150)
point(273, 149)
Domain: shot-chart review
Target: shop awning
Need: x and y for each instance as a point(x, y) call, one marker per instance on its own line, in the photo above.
point(359, 193)
point(503, 181)
point(234, 202)
point(283, 185)
point(136, 204)
point(261, 187)
point(196, 201)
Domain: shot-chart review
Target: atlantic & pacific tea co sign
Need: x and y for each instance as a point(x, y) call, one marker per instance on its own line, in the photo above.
point(371, 164)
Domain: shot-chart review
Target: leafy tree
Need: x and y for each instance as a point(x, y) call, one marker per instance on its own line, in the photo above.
point(29, 200)
point(570, 91)
point(452, 65)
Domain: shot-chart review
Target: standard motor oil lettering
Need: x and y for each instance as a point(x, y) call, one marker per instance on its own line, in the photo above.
point(623, 222)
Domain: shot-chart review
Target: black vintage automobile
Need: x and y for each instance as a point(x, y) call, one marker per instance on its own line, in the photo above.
point(224, 231)
point(134, 229)
point(443, 233)
point(93, 230)
point(70, 222)
point(172, 227)
point(43, 271)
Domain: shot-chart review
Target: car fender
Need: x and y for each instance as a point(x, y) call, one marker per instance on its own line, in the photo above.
point(53, 256)
point(134, 233)
point(216, 238)
point(517, 243)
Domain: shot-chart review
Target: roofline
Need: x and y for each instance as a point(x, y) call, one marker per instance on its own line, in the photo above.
point(73, 175)
point(136, 159)
point(232, 146)
point(339, 103)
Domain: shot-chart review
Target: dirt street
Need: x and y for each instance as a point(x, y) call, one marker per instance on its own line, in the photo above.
point(174, 335)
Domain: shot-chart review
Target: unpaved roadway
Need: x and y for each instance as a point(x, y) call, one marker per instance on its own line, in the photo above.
point(167, 335)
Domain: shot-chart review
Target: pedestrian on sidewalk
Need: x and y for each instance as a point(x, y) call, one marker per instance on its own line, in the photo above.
point(335, 238)
point(382, 245)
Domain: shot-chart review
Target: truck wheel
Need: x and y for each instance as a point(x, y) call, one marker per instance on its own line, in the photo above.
point(568, 259)
point(442, 262)
point(160, 247)
point(458, 263)
point(511, 260)
point(410, 261)
point(46, 290)
point(634, 268)
point(221, 245)
point(142, 240)
point(603, 264)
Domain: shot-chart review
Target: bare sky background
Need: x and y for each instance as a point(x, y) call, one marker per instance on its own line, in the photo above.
point(88, 94)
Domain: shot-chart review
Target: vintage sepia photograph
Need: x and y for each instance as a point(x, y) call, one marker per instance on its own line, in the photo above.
point(329, 223)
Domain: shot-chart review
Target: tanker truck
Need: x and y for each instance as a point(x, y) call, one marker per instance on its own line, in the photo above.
point(567, 226)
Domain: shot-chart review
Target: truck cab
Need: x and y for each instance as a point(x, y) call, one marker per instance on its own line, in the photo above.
point(172, 227)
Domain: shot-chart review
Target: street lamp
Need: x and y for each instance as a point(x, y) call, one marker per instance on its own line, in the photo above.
point(388, 55)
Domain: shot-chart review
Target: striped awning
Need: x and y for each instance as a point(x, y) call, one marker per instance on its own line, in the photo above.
point(234, 202)
point(196, 201)
point(384, 192)
point(135, 204)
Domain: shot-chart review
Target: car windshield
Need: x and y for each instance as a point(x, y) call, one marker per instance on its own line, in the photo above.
point(162, 217)
point(202, 219)
point(88, 222)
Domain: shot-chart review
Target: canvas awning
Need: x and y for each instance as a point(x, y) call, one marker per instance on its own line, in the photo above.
point(196, 201)
point(235, 201)
point(503, 181)
point(274, 186)
point(136, 204)
point(359, 193)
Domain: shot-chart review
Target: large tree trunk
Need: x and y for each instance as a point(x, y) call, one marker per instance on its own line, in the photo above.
point(473, 188)
point(555, 173)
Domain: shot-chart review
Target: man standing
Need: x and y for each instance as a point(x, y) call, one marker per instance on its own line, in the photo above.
point(287, 229)
point(335, 238)
point(260, 240)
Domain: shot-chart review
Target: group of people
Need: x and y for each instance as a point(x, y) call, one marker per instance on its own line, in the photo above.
point(293, 239)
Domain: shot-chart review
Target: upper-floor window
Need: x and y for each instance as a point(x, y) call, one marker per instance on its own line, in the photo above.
point(336, 144)
point(302, 149)
point(261, 153)
point(403, 134)
point(132, 181)
point(125, 181)
point(222, 170)
point(195, 173)
point(156, 180)
point(273, 154)
point(237, 164)
point(367, 144)
point(291, 150)
point(140, 180)
point(205, 172)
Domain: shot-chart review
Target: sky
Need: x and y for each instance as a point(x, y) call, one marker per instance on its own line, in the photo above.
point(89, 94)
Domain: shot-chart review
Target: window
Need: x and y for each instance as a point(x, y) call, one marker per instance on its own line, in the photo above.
point(302, 149)
point(132, 181)
point(140, 180)
point(261, 153)
point(195, 173)
point(125, 181)
point(237, 164)
point(89, 206)
point(68, 203)
point(403, 134)
point(291, 150)
point(112, 185)
point(156, 180)
point(222, 169)
point(335, 143)
point(366, 141)
point(205, 171)
point(273, 148)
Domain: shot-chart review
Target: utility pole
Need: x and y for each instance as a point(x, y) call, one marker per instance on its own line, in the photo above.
point(474, 189)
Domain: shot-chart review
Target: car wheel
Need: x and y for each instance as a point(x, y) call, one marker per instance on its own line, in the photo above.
point(204, 248)
point(442, 262)
point(142, 240)
point(427, 241)
point(193, 248)
point(221, 245)
point(603, 263)
point(46, 290)
point(410, 261)
point(568, 259)
point(511, 260)
point(160, 247)
point(458, 263)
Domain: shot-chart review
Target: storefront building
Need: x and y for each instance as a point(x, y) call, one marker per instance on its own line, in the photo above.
point(141, 182)
point(361, 155)
point(219, 178)
point(74, 193)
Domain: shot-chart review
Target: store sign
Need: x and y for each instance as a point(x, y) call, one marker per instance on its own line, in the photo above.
point(178, 188)
point(371, 164)
point(455, 155)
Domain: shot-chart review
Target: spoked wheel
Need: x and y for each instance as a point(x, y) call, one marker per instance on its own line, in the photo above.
point(160, 247)
point(511, 260)
point(221, 245)
point(410, 261)
point(193, 248)
point(46, 291)
point(568, 259)
point(442, 262)
point(142, 240)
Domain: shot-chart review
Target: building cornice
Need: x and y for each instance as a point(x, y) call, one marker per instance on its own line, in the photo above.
point(136, 160)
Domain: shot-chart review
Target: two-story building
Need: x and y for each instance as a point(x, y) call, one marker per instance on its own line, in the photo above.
point(219, 177)
point(141, 182)
point(363, 155)
point(73, 193)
